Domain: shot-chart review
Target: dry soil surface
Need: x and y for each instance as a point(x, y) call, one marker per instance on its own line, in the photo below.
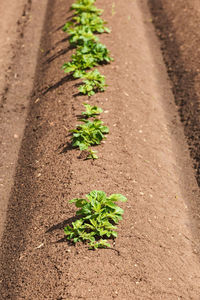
point(20, 34)
point(145, 157)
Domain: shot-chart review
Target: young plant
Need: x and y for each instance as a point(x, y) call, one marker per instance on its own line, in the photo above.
point(86, 6)
point(97, 49)
point(91, 111)
point(86, 57)
point(93, 82)
point(90, 52)
point(91, 20)
point(98, 215)
point(92, 154)
point(79, 63)
point(88, 134)
point(80, 35)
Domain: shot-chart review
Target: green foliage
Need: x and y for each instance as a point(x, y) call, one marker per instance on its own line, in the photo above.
point(90, 52)
point(93, 82)
point(98, 216)
point(81, 34)
point(92, 20)
point(89, 133)
point(79, 63)
point(86, 57)
point(98, 50)
point(91, 111)
point(92, 154)
point(87, 20)
point(86, 6)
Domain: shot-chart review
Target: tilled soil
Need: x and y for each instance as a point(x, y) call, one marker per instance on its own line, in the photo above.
point(145, 157)
point(177, 25)
point(20, 34)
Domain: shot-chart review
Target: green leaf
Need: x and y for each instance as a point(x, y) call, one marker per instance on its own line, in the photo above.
point(91, 110)
point(92, 154)
point(78, 202)
point(68, 230)
point(118, 197)
point(97, 214)
point(85, 210)
point(111, 204)
point(100, 244)
point(88, 134)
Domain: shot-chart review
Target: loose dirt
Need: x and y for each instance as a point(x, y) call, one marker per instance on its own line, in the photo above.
point(21, 29)
point(145, 157)
point(177, 25)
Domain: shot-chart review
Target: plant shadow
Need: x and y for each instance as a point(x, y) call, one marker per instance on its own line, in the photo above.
point(67, 19)
point(79, 94)
point(63, 148)
point(58, 54)
point(54, 86)
point(61, 226)
point(56, 44)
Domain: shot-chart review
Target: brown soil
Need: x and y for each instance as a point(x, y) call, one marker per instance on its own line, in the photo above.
point(145, 157)
point(20, 28)
point(177, 24)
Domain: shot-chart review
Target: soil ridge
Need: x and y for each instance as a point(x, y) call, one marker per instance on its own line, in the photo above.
point(139, 159)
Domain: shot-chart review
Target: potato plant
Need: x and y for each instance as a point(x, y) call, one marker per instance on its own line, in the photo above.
point(89, 51)
point(93, 82)
point(88, 134)
point(98, 216)
point(91, 110)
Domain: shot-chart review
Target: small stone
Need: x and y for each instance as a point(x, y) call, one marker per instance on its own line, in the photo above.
point(38, 247)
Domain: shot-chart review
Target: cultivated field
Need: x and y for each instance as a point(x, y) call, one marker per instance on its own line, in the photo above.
point(147, 139)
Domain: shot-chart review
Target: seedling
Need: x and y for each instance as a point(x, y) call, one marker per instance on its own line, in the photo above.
point(91, 20)
point(93, 82)
point(81, 34)
point(88, 134)
point(92, 154)
point(113, 9)
point(91, 111)
point(90, 52)
point(98, 50)
point(98, 216)
point(79, 63)
point(86, 6)
point(86, 57)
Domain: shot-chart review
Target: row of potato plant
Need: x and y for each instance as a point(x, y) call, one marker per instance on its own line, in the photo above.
point(91, 132)
point(89, 51)
point(98, 213)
